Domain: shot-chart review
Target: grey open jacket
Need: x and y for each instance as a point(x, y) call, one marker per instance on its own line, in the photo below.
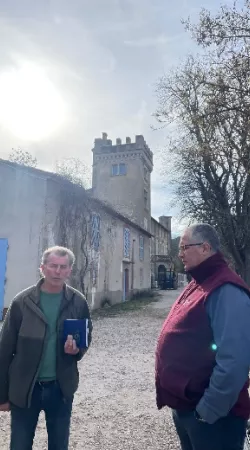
point(22, 343)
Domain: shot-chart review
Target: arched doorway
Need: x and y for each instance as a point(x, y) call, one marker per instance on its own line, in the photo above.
point(161, 276)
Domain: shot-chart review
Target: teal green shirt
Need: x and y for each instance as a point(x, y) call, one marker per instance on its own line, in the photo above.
point(49, 304)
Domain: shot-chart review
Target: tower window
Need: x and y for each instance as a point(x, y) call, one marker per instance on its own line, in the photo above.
point(119, 169)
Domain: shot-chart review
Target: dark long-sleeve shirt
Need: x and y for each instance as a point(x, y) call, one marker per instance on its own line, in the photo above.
point(229, 311)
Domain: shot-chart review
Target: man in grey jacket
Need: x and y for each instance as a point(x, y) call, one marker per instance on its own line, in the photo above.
point(38, 371)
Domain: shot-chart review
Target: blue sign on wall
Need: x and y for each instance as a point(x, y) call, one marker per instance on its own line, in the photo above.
point(3, 261)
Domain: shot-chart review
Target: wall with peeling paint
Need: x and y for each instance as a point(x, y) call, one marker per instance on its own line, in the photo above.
point(31, 204)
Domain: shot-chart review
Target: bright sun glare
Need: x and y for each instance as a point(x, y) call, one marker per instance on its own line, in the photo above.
point(30, 106)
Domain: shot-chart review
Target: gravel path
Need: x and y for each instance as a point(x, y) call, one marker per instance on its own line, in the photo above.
point(114, 408)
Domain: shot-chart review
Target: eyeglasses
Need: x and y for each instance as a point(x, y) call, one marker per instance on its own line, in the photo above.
point(183, 248)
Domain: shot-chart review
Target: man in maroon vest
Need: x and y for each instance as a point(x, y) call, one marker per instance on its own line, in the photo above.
point(203, 351)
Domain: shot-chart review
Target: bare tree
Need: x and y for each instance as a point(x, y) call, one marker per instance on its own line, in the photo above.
point(228, 29)
point(22, 157)
point(209, 100)
point(74, 170)
point(73, 225)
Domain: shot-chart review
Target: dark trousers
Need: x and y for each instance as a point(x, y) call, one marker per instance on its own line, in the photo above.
point(46, 397)
point(227, 433)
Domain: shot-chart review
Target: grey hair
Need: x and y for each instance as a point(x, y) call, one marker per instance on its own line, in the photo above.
point(59, 251)
point(205, 233)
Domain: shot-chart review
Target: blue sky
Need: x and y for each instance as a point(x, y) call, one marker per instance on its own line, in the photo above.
point(88, 67)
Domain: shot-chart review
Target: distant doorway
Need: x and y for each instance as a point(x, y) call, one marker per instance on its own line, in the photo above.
point(125, 283)
point(166, 278)
point(161, 276)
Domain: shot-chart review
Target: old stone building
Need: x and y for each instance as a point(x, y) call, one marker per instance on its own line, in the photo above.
point(40, 209)
point(118, 245)
point(122, 178)
point(162, 266)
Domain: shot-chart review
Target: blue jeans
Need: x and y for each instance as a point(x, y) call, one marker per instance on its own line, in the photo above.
point(227, 433)
point(46, 397)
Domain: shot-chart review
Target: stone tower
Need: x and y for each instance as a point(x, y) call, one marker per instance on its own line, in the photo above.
point(121, 176)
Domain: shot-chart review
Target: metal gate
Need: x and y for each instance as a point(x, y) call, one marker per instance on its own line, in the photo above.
point(166, 278)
